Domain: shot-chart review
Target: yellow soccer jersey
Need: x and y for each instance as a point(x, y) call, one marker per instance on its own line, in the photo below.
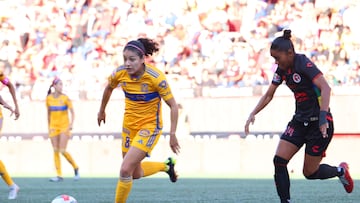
point(142, 96)
point(1, 120)
point(58, 107)
point(2, 76)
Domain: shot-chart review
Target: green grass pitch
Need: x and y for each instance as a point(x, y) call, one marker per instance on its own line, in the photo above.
point(186, 190)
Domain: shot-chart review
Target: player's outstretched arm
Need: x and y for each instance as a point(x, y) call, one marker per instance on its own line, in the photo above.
point(105, 99)
point(11, 87)
point(263, 102)
point(6, 105)
point(174, 114)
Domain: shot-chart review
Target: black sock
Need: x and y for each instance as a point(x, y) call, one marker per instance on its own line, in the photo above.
point(325, 171)
point(282, 180)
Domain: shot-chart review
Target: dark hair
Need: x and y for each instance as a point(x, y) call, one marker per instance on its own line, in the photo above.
point(283, 43)
point(54, 82)
point(143, 46)
point(49, 91)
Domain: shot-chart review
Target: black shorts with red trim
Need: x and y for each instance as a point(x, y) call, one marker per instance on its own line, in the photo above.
point(308, 133)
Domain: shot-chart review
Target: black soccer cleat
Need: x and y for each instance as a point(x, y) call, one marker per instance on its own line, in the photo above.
point(171, 169)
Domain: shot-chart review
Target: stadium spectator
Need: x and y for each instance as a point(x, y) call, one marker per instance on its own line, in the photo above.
point(87, 31)
point(312, 123)
point(207, 82)
point(60, 126)
point(14, 188)
point(144, 87)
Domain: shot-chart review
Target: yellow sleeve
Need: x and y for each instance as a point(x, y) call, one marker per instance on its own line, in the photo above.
point(68, 103)
point(113, 79)
point(164, 88)
point(2, 76)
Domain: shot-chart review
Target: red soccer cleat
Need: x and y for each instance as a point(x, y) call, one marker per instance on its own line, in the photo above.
point(346, 179)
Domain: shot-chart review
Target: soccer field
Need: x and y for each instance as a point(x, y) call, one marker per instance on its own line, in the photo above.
point(186, 190)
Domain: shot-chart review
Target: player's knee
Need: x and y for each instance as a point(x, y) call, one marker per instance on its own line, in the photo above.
point(138, 174)
point(126, 178)
point(125, 171)
point(280, 163)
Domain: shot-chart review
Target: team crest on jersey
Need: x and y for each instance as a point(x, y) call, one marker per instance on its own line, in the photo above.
point(61, 102)
point(296, 78)
point(144, 87)
point(144, 133)
point(276, 78)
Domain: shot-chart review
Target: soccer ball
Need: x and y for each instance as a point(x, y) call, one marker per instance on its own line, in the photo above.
point(64, 199)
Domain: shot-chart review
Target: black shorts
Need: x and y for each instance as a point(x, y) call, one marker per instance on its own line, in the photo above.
point(300, 133)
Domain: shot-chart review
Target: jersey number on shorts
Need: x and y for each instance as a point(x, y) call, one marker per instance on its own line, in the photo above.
point(127, 142)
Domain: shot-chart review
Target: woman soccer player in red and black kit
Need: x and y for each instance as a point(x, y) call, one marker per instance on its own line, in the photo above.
point(312, 123)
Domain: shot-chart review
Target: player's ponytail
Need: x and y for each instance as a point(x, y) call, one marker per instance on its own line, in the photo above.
point(54, 82)
point(150, 46)
point(49, 91)
point(283, 43)
point(142, 46)
point(287, 34)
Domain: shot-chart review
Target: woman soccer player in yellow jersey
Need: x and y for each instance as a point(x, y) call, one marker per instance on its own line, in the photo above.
point(60, 126)
point(144, 87)
point(3, 172)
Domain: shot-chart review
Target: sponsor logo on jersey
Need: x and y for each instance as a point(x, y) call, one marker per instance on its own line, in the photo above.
point(296, 78)
point(315, 148)
point(166, 94)
point(144, 133)
point(139, 141)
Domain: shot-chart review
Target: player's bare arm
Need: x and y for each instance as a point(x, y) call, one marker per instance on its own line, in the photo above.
point(174, 112)
point(105, 99)
point(263, 102)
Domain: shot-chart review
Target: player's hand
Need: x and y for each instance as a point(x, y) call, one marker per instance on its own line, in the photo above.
point(101, 117)
point(251, 120)
point(17, 113)
point(174, 144)
point(12, 111)
point(323, 129)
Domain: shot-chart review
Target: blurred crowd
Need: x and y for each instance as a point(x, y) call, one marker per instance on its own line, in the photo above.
point(203, 43)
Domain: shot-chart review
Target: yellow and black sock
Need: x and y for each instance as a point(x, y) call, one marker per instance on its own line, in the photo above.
point(123, 189)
